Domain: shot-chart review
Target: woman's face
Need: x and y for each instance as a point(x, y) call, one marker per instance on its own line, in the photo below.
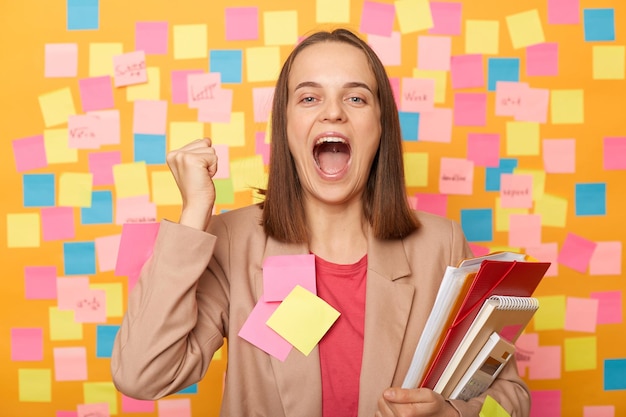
point(333, 121)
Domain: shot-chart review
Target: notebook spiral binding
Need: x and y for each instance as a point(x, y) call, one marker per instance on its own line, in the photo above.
point(507, 302)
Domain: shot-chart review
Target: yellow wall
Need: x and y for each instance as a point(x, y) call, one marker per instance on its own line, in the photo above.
point(578, 355)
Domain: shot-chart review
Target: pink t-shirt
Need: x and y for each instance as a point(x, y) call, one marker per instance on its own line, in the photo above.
point(341, 348)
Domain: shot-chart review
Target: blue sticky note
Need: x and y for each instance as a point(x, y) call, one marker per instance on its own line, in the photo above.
point(39, 190)
point(83, 14)
point(191, 389)
point(101, 210)
point(492, 174)
point(599, 24)
point(614, 371)
point(501, 69)
point(105, 335)
point(590, 199)
point(149, 148)
point(228, 63)
point(477, 224)
point(79, 258)
point(409, 125)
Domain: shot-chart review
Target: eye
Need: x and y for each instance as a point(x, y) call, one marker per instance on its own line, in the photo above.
point(308, 99)
point(356, 100)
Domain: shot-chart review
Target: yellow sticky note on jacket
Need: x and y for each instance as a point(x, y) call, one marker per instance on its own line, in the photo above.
point(491, 408)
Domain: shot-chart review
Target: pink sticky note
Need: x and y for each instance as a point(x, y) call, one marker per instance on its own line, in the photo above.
point(432, 203)
point(559, 156)
point(69, 290)
point(388, 48)
point(467, 71)
point(564, 12)
point(27, 344)
point(96, 93)
point(484, 149)
point(242, 23)
point(151, 37)
point(40, 282)
point(395, 87)
point(179, 85)
point(524, 230)
point(223, 167)
point(546, 252)
point(534, 106)
point(29, 153)
point(106, 252)
point(417, 94)
point(94, 409)
point(137, 209)
point(67, 414)
point(84, 131)
point(136, 246)
point(218, 109)
point(599, 411)
point(61, 60)
point(609, 306)
point(606, 259)
point(255, 331)
point(545, 403)
point(479, 250)
point(131, 405)
point(470, 109)
point(110, 127)
point(202, 88)
point(435, 125)
point(150, 117)
point(174, 408)
point(516, 191)
point(542, 59)
point(262, 98)
point(525, 348)
point(456, 176)
point(615, 152)
point(509, 97)
point(101, 166)
point(70, 363)
point(433, 53)
point(282, 273)
point(262, 148)
point(377, 18)
point(91, 307)
point(576, 252)
point(581, 314)
point(546, 363)
point(446, 18)
point(130, 68)
point(57, 223)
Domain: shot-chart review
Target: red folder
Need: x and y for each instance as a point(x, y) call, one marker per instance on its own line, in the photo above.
point(493, 278)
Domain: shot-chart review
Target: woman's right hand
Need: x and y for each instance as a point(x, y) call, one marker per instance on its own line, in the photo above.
point(193, 167)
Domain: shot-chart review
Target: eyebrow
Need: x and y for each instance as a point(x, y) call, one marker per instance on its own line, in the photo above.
point(352, 84)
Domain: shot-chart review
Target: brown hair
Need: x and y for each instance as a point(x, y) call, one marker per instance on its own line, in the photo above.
point(384, 200)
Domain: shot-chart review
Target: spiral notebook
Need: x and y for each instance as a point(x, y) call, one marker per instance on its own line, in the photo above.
point(505, 315)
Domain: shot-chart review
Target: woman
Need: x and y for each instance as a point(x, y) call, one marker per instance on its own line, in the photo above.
point(336, 190)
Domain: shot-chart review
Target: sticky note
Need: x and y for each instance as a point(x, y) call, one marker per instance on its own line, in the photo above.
point(580, 353)
point(492, 177)
point(590, 199)
point(29, 153)
point(242, 23)
point(614, 149)
point(23, 230)
point(388, 48)
point(491, 408)
point(567, 107)
point(484, 149)
point(614, 370)
point(409, 125)
point(477, 224)
point(551, 315)
point(56, 106)
point(606, 258)
point(261, 147)
point(105, 336)
point(377, 18)
point(417, 94)
point(70, 363)
point(228, 63)
point(553, 210)
point(576, 252)
point(83, 14)
point(548, 401)
point(75, 189)
point(248, 173)
point(232, 133)
point(332, 11)
point(432, 203)
point(136, 209)
point(150, 117)
point(599, 24)
point(282, 273)
point(412, 15)
point(280, 27)
point(165, 192)
point(85, 131)
point(179, 82)
point(129, 69)
point(433, 52)
point(225, 193)
point(255, 331)
point(61, 60)
point(456, 176)
point(503, 215)
point(546, 363)
point(79, 258)
point(446, 18)
point(131, 405)
point(303, 318)
point(262, 63)
point(608, 62)
point(467, 71)
point(57, 223)
point(131, 179)
point(482, 37)
point(435, 125)
point(190, 41)
point(109, 126)
point(101, 57)
point(174, 407)
point(38, 190)
point(470, 109)
point(149, 148)
point(546, 252)
point(182, 133)
point(96, 93)
point(113, 300)
point(152, 37)
point(35, 385)
point(101, 392)
point(609, 306)
point(27, 344)
point(599, 411)
point(106, 251)
point(101, 210)
point(101, 166)
point(522, 138)
point(93, 409)
point(63, 326)
point(516, 191)
point(510, 96)
point(218, 110)
point(502, 69)
point(542, 59)
point(563, 12)
point(415, 169)
point(135, 248)
point(581, 314)
point(525, 29)
point(56, 143)
point(441, 80)
point(559, 156)
point(40, 282)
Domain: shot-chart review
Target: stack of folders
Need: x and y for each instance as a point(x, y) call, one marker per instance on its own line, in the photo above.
point(454, 334)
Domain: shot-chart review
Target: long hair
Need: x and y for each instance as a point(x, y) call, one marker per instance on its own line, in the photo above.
point(385, 205)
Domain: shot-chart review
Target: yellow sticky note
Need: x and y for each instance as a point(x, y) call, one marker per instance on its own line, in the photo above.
point(553, 210)
point(181, 133)
point(75, 189)
point(332, 11)
point(525, 29)
point(551, 315)
point(268, 129)
point(101, 392)
point(224, 191)
point(150, 90)
point(101, 58)
point(539, 180)
point(232, 133)
point(63, 326)
point(608, 62)
point(165, 192)
point(56, 143)
point(482, 37)
point(280, 27)
point(415, 169)
point(190, 41)
point(567, 106)
point(114, 294)
point(413, 15)
point(23, 230)
point(580, 353)
point(248, 173)
point(35, 385)
point(262, 63)
point(522, 138)
point(131, 179)
point(441, 82)
point(302, 318)
point(492, 408)
point(503, 214)
point(56, 106)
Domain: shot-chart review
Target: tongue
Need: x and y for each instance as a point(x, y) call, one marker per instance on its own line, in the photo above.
point(332, 162)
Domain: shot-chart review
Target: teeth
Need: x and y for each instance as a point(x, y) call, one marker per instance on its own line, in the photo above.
point(329, 140)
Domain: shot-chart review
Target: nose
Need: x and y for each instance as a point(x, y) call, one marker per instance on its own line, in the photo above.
point(333, 111)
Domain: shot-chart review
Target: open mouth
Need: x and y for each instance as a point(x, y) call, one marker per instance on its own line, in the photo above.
point(331, 155)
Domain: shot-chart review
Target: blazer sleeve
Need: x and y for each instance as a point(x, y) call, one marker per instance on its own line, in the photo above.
point(162, 346)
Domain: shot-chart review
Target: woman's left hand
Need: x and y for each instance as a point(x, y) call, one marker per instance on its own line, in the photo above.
point(422, 402)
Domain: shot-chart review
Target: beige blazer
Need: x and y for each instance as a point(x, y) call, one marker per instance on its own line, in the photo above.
point(199, 288)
